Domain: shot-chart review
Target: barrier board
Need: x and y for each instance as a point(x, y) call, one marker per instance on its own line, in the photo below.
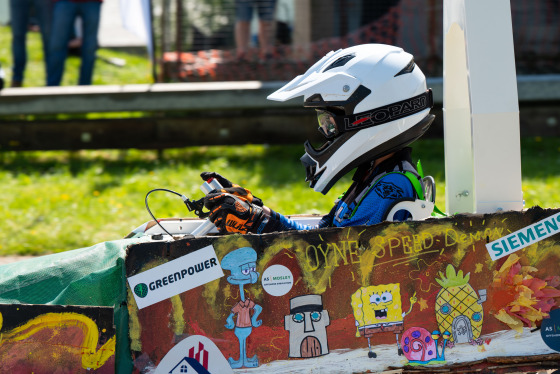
point(389, 296)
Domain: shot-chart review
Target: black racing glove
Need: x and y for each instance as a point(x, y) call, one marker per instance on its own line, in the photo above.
point(231, 213)
point(205, 175)
point(231, 188)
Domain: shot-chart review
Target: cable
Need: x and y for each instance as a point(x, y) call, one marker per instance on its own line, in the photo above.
point(183, 197)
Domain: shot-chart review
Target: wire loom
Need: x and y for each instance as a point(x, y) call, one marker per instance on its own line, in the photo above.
point(197, 206)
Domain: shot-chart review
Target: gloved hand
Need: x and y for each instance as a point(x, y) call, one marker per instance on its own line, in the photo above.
point(234, 214)
point(205, 175)
point(231, 188)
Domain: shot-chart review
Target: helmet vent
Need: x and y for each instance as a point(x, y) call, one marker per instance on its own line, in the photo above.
point(315, 98)
point(407, 69)
point(341, 61)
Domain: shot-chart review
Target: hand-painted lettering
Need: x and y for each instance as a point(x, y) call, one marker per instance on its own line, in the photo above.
point(379, 247)
point(450, 237)
point(393, 243)
point(353, 252)
point(426, 238)
point(315, 264)
point(407, 248)
point(341, 253)
point(325, 253)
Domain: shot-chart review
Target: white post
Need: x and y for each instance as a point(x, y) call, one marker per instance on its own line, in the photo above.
point(4, 12)
point(481, 110)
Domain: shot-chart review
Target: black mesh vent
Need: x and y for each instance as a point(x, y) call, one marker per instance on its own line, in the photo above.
point(407, 69)
point(341, 61)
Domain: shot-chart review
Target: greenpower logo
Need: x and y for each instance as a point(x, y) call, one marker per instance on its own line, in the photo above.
point(141, 290)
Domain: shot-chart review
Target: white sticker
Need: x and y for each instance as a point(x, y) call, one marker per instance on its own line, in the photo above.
point(175, 277)
point(524, 237)
point(195, 354)
point(277, 280)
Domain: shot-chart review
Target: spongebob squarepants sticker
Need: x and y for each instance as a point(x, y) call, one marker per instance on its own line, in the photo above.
point(378, 309)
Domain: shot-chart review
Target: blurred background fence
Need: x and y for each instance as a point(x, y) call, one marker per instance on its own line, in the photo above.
point(194, 42)
point(195, 38)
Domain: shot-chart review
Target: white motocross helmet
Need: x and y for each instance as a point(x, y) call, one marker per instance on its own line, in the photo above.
point(370, 99)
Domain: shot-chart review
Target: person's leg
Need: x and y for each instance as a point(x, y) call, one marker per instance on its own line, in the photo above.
point(44, 17)
point(243, 13)
point(242, 35)
point(19, 16)
point(64, 13)
point(266, 29)
point(267, 12)
point(90, 12)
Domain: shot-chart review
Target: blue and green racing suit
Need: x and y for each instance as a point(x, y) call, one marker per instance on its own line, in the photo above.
point(370, 197)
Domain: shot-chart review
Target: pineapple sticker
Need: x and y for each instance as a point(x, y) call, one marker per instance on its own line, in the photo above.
point(458, 307)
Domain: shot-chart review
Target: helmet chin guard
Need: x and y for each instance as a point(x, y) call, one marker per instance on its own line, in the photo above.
point(371, 100)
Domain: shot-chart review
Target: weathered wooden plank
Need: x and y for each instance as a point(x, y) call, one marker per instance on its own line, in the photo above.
point(126, 98)
point(199, 96)
point(293, 126)
point(227, 127)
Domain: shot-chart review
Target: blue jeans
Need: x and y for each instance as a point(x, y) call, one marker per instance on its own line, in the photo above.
point(244, 9)
point(19, 21)
point(65, 13)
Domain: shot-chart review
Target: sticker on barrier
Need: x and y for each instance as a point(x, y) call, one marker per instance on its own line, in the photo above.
point(171, 278)
point(195, 354)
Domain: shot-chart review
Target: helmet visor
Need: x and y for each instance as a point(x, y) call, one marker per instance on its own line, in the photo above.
point(327, 124)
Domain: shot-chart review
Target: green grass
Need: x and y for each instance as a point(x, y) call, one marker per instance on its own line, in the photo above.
point(53, 202)
point(57, 201)
point(136, 71)
point(540, 159)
